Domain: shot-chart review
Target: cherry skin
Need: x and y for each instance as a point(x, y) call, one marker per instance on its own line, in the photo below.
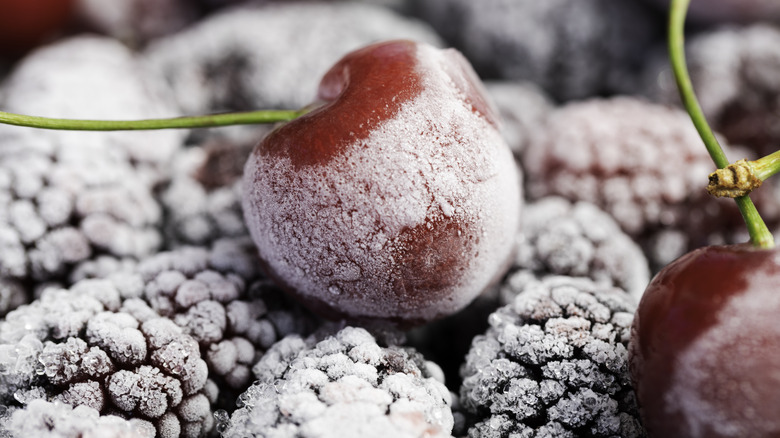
point(397, 199)
point(27, 23)
point(705, 345)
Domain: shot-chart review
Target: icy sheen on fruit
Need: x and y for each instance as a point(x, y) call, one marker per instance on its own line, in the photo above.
point(397, 199)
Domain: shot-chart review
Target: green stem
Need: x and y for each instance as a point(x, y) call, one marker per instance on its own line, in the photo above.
point(767, 166)
point(213, 120)
point(759, 233)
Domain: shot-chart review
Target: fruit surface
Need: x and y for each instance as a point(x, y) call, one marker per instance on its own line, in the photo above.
point(397, 199)
point(705, 345)
point(24, 24)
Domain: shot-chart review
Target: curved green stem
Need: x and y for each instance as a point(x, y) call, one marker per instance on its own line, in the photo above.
point(759, 233)
point(242, 118)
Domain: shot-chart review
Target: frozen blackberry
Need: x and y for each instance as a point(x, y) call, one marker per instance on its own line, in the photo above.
point(571, 48)
point(642, 163)
point(68, 196)
point(554, 362)
point(734, 72)
point(343, 385)
point(217, 296)
point(202, 201)
point(79, 346)
point(522, 107)
point(135, 22)
point(12, 295)
point(41, 418)
point(559, 237)
point(97, 78)
point(228, 61)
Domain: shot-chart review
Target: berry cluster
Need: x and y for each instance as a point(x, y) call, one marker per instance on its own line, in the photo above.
point(412, 253)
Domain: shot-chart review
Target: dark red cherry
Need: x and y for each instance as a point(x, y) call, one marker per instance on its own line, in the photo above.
point(27, 23)
point(705, 345)
point(395, 200)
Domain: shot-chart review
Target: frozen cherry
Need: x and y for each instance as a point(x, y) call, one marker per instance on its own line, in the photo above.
point(25, 24)
point(705, 345)
point(396, 200)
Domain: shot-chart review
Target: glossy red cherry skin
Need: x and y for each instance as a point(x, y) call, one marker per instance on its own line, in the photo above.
point(705, 345)
point(397, 199)
point(27, 23)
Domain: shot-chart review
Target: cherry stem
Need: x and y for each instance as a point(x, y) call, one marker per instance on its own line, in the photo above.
point(759, 233)
point(766, 166)
point(207, 121)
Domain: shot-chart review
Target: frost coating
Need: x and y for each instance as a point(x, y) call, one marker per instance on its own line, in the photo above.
point(734, 399)
point(58, 420)
point(553, 361)
point(68, 196)
point(559, 237)
point(344, 385)
point(78, 347)
point(432, 188)
point(215, 295)
point(571, 48)
point(733, 71)
point(227, 61)
point(202, 201)
point(642, 163)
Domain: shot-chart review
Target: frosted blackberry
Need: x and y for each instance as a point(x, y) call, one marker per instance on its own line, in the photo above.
point(227, 61)
point(58, 420)
point(217, 296)
point(135, 22)
point(640, 162)
point(572, 49)
point(80, 347)
point(343, 385)
point(118, 84)
point(559, 237)
point(66, 197)
point(202, 201)
point(553, 363)
point(734, 72)
point(12, 295)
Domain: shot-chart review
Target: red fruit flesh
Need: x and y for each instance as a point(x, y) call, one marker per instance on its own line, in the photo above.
point(26, 23)
point(396, 200)
point(705, 345)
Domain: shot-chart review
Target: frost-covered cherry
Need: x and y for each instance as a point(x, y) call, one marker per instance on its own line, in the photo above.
point(397, 199)
point(25, 24)
point(705, 345)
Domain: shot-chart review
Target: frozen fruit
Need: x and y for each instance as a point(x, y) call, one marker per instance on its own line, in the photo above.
point(705, 344)
point(522, 106)
point(345, 384)
point(228, 62)
point(25, 24)
point(571, 48)
point(78, 347)
point(553, 363)
point(136, 21)
point(642, 163)
point(397, 199)
point(59, 420)
point(734, 73)
point(202, 200)
point(577, 239)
